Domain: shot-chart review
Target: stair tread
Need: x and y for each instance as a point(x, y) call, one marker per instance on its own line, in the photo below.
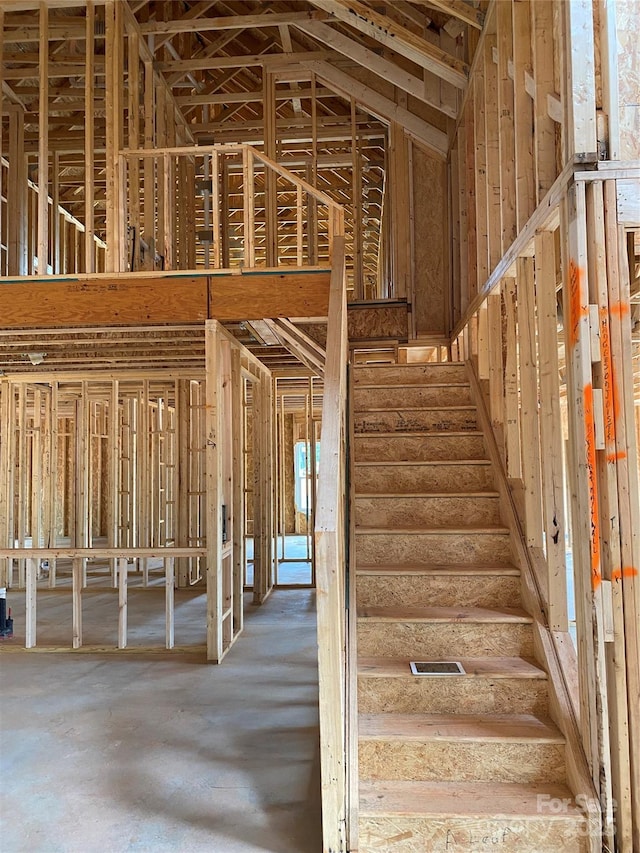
point(439, 408)
point(444, 614)
point(455, 569)
point(489, 667)
point(474, 799)
point(407, 531)
point(512, 728)
point(432, 462)
point(419, 433)
point(415, 385)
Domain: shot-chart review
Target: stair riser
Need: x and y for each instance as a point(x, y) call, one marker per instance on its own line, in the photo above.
point(439, 761)
point(418, 448)
point(443, 640)
point(472, 835)
point(452, 695)
point(439, 420)
point(437, 591)
point(424, 548)
point(381, 479)
point(418, 374)
point(427, 511)
point(395, 397)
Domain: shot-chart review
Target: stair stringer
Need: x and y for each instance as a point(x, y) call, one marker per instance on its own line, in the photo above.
point(553, 649)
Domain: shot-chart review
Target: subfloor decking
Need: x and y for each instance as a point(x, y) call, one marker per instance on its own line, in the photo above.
point(106, 753)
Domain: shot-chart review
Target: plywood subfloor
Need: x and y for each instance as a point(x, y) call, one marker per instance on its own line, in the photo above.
point(108, 753)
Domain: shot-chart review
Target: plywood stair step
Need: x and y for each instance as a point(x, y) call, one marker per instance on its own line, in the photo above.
point(433, 476)
point(447, 747)
point(447, 586)
point(444, 614)
point(416, 374)
point(511, 728)
point(405, 545)
point(402, 418)
point(458, 817)
point(444, 570)
point(432, 633)
point(490, 685)
point(429, 510)
point(415, 447)
point(410, 396)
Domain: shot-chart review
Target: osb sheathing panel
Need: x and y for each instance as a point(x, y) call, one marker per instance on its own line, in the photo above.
point(421, 420)
point(442, 640)
point(430, 242)
point(418, 448)
point(427, 511)
point(452, 695)
point(377, 322)
point(442, 591)
point(461, 761)
point(401, 397)
point(428, 548)
point(410, 374)
point(471, 835)
point(629, 78)
point(400, 479)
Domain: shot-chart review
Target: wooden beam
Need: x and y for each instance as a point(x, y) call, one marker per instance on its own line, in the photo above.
point(348, 87)
point(457, 9)
point(380, 66)
point(230, 22)
point(149, 299)
point(391, 35)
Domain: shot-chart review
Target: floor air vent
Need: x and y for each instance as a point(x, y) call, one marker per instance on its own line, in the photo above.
point(436, 667)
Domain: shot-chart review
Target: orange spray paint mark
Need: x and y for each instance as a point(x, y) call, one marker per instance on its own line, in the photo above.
point(616, 457)
point(577, 309)
point(625, 572)
point(596, 572)
point(619, 309)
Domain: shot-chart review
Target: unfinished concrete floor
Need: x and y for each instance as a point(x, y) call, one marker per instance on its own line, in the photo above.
point(103, 753)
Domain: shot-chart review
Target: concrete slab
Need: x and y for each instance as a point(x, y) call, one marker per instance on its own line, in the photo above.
point(162, 752)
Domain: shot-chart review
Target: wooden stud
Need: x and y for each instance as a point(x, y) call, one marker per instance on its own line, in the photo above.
point(551, 430)
point(43, 144)
point(89, 139)
point(530, 425)
point(169, 581)
point(123, 568)
point(77, 569)
point(213, 494)
point(511, 385)
point(30, 605)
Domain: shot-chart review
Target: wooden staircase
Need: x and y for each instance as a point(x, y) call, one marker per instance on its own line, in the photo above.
point(446, 763)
